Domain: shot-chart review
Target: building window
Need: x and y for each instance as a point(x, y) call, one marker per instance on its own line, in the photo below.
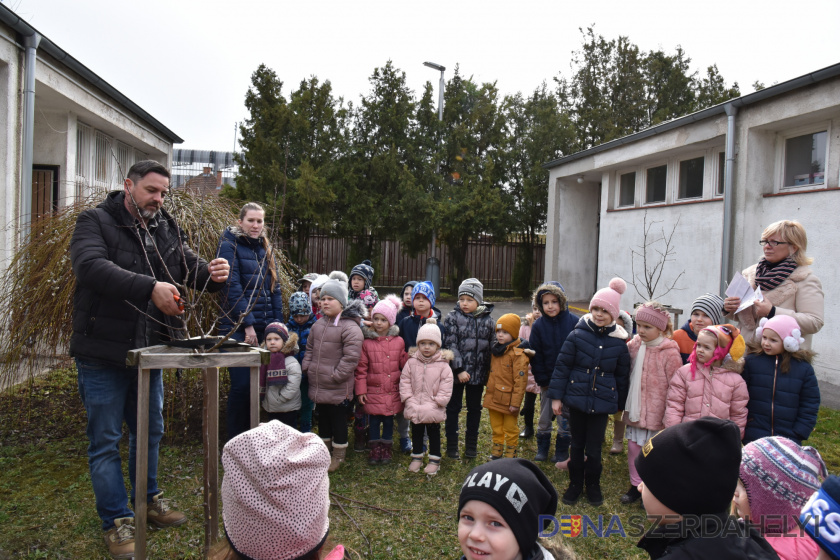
point(691, 178)
point(627, 189)
point(721, 182)
point(656, 183)
point(805, 159)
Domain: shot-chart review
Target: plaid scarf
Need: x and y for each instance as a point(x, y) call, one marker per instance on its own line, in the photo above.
point(769, 277)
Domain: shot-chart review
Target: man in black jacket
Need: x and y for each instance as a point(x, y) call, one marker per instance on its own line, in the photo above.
point(130, 258)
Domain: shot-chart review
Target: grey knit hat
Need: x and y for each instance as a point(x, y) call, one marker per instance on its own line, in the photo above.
point(473, 288)
point(336, 290)
point(711, 305)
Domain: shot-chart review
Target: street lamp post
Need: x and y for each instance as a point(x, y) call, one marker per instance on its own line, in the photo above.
point(433, 263)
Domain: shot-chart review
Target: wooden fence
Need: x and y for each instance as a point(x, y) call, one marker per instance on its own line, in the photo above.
point(493, 264)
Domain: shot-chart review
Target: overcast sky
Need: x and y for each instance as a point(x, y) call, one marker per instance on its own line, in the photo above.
point(189, 63)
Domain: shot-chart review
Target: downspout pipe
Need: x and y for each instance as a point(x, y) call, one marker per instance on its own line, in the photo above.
point(728, 180)
point(30, 42)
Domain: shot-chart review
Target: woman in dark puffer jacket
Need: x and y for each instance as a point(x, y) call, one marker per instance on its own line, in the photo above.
point(253, 293)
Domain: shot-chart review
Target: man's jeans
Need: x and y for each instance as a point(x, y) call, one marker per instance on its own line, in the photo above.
point(110, 397)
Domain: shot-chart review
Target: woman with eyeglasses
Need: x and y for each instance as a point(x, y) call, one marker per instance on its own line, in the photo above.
point(787, 283)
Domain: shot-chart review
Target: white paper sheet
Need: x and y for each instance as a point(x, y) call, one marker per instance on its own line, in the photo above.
point(740, 287)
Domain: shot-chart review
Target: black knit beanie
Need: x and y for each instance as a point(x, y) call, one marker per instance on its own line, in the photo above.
point(518, 490)
point(692, 468)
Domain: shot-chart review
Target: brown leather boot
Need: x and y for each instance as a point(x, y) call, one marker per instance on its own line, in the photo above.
point(159, 514)
point(120, 539)
point(338, 454)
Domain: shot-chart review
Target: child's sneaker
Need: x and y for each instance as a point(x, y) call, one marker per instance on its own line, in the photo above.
point(496, 451)
point(433, 466)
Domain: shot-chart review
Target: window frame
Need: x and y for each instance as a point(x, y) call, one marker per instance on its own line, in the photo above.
point(618, 175)
point(781, 153)
point(645, 168)
point(678, 169)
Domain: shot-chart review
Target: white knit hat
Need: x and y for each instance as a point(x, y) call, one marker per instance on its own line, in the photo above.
point(276, 492)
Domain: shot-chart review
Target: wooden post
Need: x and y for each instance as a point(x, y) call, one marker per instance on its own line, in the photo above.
point(255, 397)
point(141, 470)
point(210, 424)
point(162, 357)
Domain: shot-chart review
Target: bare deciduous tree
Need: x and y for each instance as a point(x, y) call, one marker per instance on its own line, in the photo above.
point(655, 252)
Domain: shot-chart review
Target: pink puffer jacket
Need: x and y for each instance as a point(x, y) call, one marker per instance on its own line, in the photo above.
point(661, 363)
point(720, 392)
point(332, 353)
point(378, 372)
point(426, 386)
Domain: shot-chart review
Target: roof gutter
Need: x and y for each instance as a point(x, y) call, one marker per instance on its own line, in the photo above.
point(24, 29)
point(766, 93)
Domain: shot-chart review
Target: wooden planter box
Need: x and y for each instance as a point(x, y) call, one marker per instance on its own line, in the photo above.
point(168, 357)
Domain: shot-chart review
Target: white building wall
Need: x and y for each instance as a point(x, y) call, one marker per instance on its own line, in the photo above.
point(761, 130)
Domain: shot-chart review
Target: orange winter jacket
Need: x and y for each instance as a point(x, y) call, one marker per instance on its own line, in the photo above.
point(508, 377)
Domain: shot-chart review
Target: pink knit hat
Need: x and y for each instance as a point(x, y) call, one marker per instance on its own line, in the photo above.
point(276, 492)
point(779, 476)
point(786, 327)
point(429, 331)
point(610, 298)
point(387, 307)
point(652, 316)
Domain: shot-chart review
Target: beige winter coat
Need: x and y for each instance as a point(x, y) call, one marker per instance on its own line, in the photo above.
point(332, 354)
point(800, 296)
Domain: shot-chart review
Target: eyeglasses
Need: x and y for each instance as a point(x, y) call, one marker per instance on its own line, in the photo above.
point(773, 244)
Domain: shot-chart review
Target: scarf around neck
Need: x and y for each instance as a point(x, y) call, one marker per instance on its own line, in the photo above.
point(770, 275)
point(634, 396)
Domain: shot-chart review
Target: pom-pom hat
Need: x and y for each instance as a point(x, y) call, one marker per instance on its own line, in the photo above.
point(365, 271)
point(275, 492)
point(388, 308)
point(336, 290)
point(429, 331)
point(610, 298)
point(786, 327)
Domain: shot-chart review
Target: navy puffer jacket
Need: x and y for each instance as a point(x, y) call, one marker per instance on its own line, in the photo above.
point(303, 335)
point(249, 284)
point(471, 335)
point(592, 373)
point(549, 333)
point(792, 410)
point(411, 325)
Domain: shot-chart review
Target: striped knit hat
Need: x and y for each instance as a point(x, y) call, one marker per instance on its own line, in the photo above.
point(779, 477)
point(711, 305)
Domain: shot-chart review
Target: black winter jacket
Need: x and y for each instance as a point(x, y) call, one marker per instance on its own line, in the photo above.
point(719, 538)
point(781, 404)
point(249, 284)
point(411, 324)
point(549, 333)
point(112, 307)
point(472, 337)
point(592, 373)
